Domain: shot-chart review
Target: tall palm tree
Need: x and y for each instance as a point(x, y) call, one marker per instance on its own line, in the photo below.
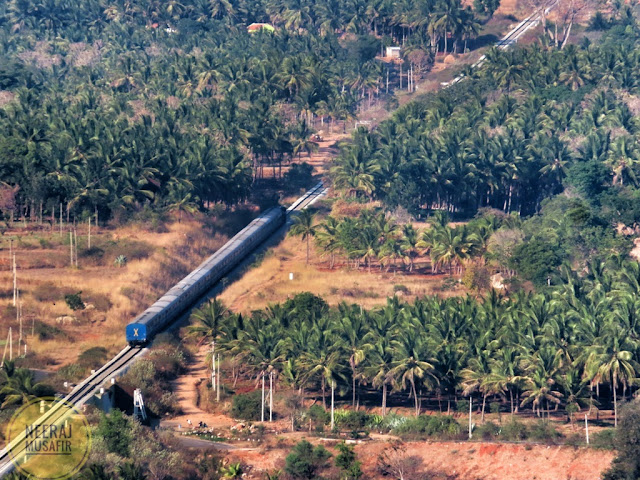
point(611, 360)
point(303, 226)
point(412, 365)
point(209, 317)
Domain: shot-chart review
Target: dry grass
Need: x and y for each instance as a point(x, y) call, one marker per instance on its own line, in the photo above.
point(269, 281)
point(118, 294)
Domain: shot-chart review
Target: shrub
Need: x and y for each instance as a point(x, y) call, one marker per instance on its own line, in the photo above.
point(115, 429)
point(318, 415)
point(514, 431)
point(93, 357)
point(96, 253)
point(351, 420)
point(120, 261)
point(47, 332)
point(247, 406)
point(430, 425)
point(604, 439)
point(488, 431)
point(47, 292)
point(74, 301)
point(627, 441)
point(347, 463)
point(300, 175)
point(477, 277)
point(72, 372)
point(543, 432)
point(401, 288)
point(305, 461)
point(100, 301)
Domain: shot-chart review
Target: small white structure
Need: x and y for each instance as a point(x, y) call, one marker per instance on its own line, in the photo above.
point(393, 52)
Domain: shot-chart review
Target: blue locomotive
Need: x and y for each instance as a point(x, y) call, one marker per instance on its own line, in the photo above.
point(182, 295)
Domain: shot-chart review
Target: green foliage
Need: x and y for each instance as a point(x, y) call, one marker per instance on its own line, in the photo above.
point(626, 466)
point(74, 301)
point(306, 461)
point(351, 419)
point(477, 278)
point(604, 439)
point(430, 426)
point(298, 176)
point(487, 431)
point(537, 260)
point(347, 463)
point(543, 431)
point(93, 357)
point(247, 406)
point(115, 429)
point(514, 431)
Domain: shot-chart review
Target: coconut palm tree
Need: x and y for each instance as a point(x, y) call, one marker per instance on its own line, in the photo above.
point(303, 226)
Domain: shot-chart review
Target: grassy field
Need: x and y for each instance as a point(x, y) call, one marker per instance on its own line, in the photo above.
point(156, 257)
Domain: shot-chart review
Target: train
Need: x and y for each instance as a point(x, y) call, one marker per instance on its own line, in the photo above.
point(183, 295)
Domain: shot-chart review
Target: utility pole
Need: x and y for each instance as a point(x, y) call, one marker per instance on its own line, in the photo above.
point(10, 344)
point(75, 243)
point(333, 390)
point(15, 281)
point(219, 377)
point(271, 396)
point(213, 365)
point(262, 396)
point(89, 239)
point(71, 246)
point(470, 407)
point(586, 427)
point(19, 318)
point(61, 219)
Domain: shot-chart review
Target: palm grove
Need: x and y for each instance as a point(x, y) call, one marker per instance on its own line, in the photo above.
point(557, 140)
point(116, 106)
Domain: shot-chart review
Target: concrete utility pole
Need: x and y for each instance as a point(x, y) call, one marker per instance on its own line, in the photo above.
point(262, 396)
point(470, 407)
point(586, 427)
point(271, 396)
point(15, 281)
point(213, 365)
point(219, 377)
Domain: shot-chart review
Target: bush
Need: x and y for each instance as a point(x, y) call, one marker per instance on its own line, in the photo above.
point(305, 461)
point(604, 439)
point(477, 277)
point(47, 332)
point(47, 292)
point(351, 420)
point(318, 415)
point(514, 431)
point(74, 301)
point(543, 432)
point(430, 425)
point(298, 176)
point(401, 288)
point(627, 441)
point(93, 357)
point(247, 406)
point(116, 431)
point(488, 431)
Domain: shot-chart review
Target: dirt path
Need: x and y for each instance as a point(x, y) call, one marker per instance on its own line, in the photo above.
point(185, 388)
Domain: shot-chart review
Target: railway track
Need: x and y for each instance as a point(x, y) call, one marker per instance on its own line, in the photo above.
point(510, 38)
point(82, 392)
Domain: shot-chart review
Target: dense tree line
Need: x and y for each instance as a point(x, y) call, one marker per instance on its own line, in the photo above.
point(572, 346)
point(530, 123)
point(111, 106)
